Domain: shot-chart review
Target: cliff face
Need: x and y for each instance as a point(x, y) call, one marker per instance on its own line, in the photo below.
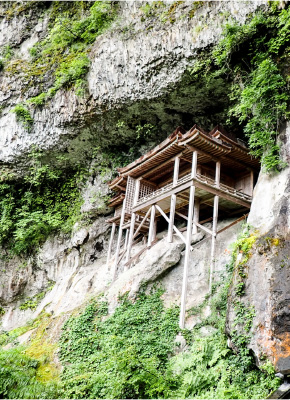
point(139, 73)
point(267, 273)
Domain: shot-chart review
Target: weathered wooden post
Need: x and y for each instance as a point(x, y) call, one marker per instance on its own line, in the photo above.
point(151, 226)
point(214, 225)
point(111, 243)
point(133, 218)
point(188, 242)
point(173, 200)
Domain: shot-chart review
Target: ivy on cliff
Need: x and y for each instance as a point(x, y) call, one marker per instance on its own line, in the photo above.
point(62, 57)
point(47, 200)
point(254, 57)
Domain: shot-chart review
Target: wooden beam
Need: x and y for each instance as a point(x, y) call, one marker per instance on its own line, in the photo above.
point(201, 152)
point(174, 227)
point(233, 223)
point(111, 243)
point(161, 165)
point(142, 223)
point(205, 229)
point(181, 215)
point(188, 244)
point(151, 227)
point(205, 186)
point(149, 183)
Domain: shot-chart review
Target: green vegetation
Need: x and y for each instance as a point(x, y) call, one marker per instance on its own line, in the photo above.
point(122, 356)
point(254, 58)
point(18, 376)
point(63, 54)
point(47, 200)
point(23, 115)
point(32, 302)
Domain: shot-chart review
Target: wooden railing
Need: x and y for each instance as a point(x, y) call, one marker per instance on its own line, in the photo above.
point(199, 178)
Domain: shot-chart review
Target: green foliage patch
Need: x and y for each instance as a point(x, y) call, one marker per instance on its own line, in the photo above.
point(47, 200)
point(64, 52)
point(18, 376)
point(23, 115)
point(254, 57)
point(124, 355)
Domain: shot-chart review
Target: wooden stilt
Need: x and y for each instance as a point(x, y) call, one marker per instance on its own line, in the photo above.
point(213, 242)
point(188, 243)
point(214, 226)
point(173, 200)
point(111, 243)
point(119, 241)
point(252, 183)
point(126, 239)
point(151, 227)
point(171, 218)
point(196, 214)
point(133, 218)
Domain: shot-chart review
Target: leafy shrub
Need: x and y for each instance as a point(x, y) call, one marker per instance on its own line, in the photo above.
point(254, 58)
point(47, 200)
point(123, 356)
point(18, 377)
point(72, 31)
point(23, 115)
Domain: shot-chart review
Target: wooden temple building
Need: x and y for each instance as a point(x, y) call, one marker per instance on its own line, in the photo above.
point(191, 175)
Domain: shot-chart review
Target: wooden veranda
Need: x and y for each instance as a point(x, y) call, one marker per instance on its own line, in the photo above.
point(187, 176)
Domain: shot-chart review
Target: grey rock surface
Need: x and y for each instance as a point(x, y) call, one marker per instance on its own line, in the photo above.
point(134, 65)
point(268, 269)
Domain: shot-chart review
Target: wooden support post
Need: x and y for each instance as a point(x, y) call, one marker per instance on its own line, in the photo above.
point(214, 226)
point(111, 243)
point(173, 200)
point(133, 218)
point(126, 239)
point(188, 243)
point(252, 183)
point(119, 240)
point(196, 214)
point(151, 227)
point(218, 174)
point(171, 218)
